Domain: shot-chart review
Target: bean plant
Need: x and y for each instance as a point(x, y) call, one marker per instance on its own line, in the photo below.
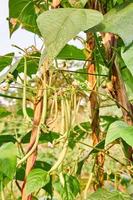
point(66, 109)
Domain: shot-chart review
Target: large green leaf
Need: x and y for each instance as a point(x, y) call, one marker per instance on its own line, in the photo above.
point(128, 58)
point(103, 194)
point(119, 20)
point(8, 158)
point(6, 60)
point(120, 129)
point(70, 52)
point(22, 13)
point(20, 173)
point(58, 26)
point(36, 179)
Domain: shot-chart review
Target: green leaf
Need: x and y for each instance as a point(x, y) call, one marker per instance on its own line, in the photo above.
point(65, 4)
point(22, 13)
point(83, 2)
point(70, 52)
point(103, 194)
point(36, 179)
point(4, 112)
point(119, 20)
point(44, 138)
point(7, 138)
point(32, 64)
point(106, 120)
point(70, 189)
point(6, 60)
point(49, 188)
point(30, 112)
point(128, 80)
point(78, 133)
point(66, 24)
point(128, 58)
point(8, 159)
point(20, 173)
point(81, 75)
point(126, 74)
point(120, 129)
point(10, 70)
point(78, 3)
point(98, 147)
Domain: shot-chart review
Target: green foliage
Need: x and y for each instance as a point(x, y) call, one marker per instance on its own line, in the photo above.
point(6, 60)
point(8, 159)
point(10, 70)
point(6, 138)
point(128, 79)
point(29, 111)
point(44, 138)
point(126, 72)
point(96, 149)
point(103, 194)
point(106, 121)
point(66, 24)
point(81, 75)
point(4, 112)
point(78, 133)
point(69, 188)
point(20, 173)
point(61, 90)
point(70, 52)
point(128, 58)
point(119, 21)
point(32, 63)
point(77, 3)
point(37, 179)
point(120, 129)
point(22, 13)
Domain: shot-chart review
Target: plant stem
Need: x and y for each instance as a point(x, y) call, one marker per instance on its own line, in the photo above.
point(39, 117)
point(94, 107)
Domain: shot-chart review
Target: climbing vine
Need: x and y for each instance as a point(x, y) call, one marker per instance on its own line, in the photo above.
point(66, 109)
